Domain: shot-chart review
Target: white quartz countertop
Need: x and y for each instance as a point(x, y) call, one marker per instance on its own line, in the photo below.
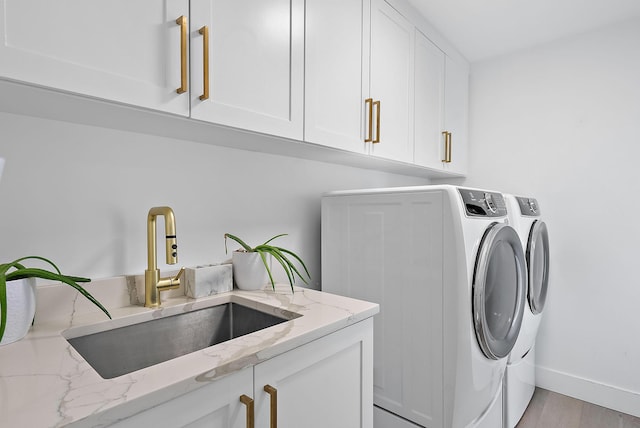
point(44, 382)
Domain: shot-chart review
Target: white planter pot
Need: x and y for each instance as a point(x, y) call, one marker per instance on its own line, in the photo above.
point(249, 272)
point(21, 307)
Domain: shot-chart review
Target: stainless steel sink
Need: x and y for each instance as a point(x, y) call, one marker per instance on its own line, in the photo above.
point(126, 349)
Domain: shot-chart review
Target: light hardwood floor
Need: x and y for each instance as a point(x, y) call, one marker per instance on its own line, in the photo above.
point(552, 410)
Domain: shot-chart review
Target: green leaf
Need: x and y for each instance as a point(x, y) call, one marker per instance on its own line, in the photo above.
point(284, 265)
point(22, 272)
point(277, 236)
point(299, 261)
point(266, 265)
point(238, 240)
point(17, 264)
point(280, 254)
point(44, 274)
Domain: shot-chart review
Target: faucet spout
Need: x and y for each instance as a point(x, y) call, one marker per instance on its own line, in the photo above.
point(153, 284)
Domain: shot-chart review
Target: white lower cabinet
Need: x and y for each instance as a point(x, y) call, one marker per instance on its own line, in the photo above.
point(325, 383)
point(214, 405)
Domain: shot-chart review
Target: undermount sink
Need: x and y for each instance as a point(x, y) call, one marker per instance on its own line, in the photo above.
point(133, 347)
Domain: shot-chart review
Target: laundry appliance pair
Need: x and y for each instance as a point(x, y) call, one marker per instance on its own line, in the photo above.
point(450, 274)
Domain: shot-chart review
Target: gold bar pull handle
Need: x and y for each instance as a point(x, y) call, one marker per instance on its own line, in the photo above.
point(248, 401)
point(182, 22)
point(376, 104)
point(447, 146)
point(369, 103)
point(274, 405)
point(205, 62)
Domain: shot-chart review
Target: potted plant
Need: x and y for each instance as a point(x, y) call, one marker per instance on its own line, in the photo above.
point(17, 295)
point(248, 263)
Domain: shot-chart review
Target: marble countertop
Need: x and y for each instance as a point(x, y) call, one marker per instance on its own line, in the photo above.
point(44, 382)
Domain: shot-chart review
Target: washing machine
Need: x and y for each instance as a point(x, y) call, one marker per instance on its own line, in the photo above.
point(449, 274)
point(519, 380)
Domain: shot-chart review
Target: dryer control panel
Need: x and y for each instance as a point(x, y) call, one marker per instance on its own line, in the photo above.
point(479, 203)
point(528, 206)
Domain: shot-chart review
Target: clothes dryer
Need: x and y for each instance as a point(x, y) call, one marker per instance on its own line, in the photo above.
point(519, 380)
point(449, 274)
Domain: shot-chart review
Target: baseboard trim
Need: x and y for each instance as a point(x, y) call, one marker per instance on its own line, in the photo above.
point(612, 397)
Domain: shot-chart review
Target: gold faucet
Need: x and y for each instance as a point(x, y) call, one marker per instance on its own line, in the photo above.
point(153, 284)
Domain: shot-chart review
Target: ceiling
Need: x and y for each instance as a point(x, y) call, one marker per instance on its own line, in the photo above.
point(481, 29)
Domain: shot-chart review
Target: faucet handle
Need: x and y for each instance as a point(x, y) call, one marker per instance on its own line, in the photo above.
point(180, 273)
point(165, 284)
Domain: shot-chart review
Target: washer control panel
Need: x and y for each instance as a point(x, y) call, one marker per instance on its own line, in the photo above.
point(479, 203)
point(528, 206)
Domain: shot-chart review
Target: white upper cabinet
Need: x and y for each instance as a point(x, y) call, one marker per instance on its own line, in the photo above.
point(392, 86)
point(429, 103)
point(254, 64)
point(456, 116)
point(376, 84)
point(120, 50)
point(441, 108)
point(361, 76)
point(336, 72)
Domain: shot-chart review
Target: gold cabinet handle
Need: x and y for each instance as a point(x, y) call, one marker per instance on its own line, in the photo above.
point(447, 147)
point(248, 401)
point(273, 393)
point(369, 103)
point(182, 22)
point(205, 62)
point(376, 104)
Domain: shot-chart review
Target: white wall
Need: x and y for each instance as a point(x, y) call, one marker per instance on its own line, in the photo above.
point(561, 122)
point(80, 195)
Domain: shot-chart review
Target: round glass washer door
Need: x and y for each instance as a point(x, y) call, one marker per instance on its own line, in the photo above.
point(499, 290)
point(538, 266)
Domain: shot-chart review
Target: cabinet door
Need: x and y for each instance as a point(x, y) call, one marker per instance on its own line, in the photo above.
point(326, 383)
point(456, 106)
point(429, 103)
point(336, 72)
point(214, 405)
point(395, 248)
point(256, 64)
point(120, 50)
point(392, 47)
